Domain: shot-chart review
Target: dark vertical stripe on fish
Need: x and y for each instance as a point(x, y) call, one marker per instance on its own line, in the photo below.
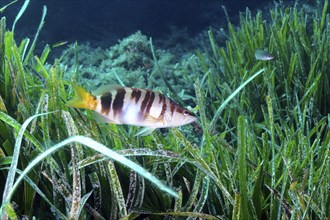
point(136, 94)
point(179, 110)
point(118, 102)
point(145, 102)
point(172, 106)
point(164, 107)
point(106, 103)
point(161, 97)
point(151, 101)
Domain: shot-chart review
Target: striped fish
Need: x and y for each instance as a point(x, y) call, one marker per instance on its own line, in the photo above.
point(132, 106)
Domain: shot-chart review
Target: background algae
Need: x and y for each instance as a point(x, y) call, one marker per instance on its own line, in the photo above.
point(131, 63)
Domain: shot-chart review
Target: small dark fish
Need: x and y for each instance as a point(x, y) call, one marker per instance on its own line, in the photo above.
point(263, 55)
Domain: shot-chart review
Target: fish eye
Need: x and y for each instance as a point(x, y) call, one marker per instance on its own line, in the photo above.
point(185, 112)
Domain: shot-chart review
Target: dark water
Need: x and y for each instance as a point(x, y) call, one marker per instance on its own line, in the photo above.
point(100, 22)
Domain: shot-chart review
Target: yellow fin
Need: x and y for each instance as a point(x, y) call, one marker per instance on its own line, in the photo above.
point(82, 99)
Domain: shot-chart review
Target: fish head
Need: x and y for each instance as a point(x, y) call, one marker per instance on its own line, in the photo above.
point(181, 116)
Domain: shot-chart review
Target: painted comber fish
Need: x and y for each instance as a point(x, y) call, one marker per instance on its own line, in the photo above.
point(132, 106)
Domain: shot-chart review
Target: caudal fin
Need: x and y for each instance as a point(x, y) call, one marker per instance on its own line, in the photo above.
point(82, 99)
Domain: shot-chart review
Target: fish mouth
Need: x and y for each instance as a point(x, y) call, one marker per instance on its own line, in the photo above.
point(191, 120)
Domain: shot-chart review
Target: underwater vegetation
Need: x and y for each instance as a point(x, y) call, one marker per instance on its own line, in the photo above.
point(260, 150)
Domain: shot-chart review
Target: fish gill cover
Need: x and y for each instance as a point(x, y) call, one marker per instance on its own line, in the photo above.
point(260, 149)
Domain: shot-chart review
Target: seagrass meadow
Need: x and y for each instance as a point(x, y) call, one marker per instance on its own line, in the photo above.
point(260, 149)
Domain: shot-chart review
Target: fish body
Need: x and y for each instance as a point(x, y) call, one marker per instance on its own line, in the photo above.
point(263, 55)
point(132, 106)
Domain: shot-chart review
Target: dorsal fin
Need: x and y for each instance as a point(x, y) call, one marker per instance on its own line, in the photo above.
point(106, 89)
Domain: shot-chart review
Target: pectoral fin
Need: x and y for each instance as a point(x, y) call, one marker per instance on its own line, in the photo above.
point(152, 120)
